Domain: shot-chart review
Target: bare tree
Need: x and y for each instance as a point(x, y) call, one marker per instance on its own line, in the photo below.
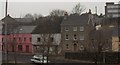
point(78, 9)
point(46, 43)
point(57, 12)
point(35, 16)
point(28, 15)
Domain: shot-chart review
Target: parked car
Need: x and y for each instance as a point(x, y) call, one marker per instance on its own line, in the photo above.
point(39, 59)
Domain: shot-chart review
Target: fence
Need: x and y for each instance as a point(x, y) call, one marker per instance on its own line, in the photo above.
point(102, 57)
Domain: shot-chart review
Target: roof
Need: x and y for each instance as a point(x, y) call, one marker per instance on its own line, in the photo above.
point(26, 29)
point(8, 19)
point(24, 19)
point(48, 26)
point(13, 23)
point(76, 19)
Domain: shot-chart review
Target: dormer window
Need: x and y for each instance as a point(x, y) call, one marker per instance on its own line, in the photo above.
point(75, 28)
point(81, 28)
point(66, 28)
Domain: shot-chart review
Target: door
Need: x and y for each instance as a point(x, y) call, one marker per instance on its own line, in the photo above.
point(75, 47)
point(27, 48)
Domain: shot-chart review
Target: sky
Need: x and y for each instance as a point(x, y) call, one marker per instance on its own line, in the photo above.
point(18, 8)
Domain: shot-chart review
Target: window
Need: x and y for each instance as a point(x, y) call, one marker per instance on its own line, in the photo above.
point(38, 39)
point(19, 47)
point(74, 28)
point(81, 37)
point(119, 39)
point(66, 28)
point(19, 39)
point(51, 39)
point(2, 40)
point(14, 39)
point(67, 46)
point(30, 39)
point(24, 39)
point(66, 37)
point(75, 37)
point(81, 28)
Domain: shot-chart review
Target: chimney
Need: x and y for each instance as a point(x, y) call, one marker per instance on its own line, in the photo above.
point(65, 15)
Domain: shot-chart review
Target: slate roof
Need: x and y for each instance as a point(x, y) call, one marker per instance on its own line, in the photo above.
point(14, 23)
point(48, 26)
point(8, 19)
point(76, 19)
point(24, 19)
point(26, 29)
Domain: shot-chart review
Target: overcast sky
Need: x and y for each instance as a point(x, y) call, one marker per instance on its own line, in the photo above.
point(22, 7)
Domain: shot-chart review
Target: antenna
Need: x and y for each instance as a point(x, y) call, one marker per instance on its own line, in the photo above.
point(6, 8)
point(95, 9)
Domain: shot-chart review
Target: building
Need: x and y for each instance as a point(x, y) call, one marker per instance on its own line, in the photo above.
point(106, 37)
point(46, 36)
point(1, 35)
point(16, 34)
point(112, 9)
point(75, 31)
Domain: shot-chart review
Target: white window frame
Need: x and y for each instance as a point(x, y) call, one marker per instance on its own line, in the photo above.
point(66, 37)
point(81, 28)
point(75, 28)
point(82, 37)
point(66, 28)
point(74, 37)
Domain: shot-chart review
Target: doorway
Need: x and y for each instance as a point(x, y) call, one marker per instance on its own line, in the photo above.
point(75, 47)
point(27, 48)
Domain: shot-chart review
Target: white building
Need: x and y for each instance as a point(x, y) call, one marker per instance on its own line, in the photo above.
point(47, 36)
point(112, 10)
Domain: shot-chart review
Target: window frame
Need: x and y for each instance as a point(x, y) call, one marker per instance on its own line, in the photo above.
point(81, 28)
point(66, 37)
point(74, 36)
point(38, 39)
point(66, 28)
point(82, 37)
point(74, 28)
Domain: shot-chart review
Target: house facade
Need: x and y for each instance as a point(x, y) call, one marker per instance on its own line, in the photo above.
point(75, 31)
point(38, 42)
point(46, 37)
point(17, 34)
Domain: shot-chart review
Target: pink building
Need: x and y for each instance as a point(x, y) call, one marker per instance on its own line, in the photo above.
point(20, 41)
point(18, 34)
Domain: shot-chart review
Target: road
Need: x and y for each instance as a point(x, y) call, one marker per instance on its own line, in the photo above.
point(25, 58)
point(21, 58)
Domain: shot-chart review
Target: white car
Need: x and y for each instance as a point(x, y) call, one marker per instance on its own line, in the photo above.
point(39, 59)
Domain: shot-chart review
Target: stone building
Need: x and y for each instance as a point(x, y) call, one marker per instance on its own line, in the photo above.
point(75, 31)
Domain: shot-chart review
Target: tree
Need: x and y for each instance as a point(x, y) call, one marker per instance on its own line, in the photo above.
point(78, 9)
point(57, 12)
point(35, 16)
point(28, 15)
point(46, 42)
